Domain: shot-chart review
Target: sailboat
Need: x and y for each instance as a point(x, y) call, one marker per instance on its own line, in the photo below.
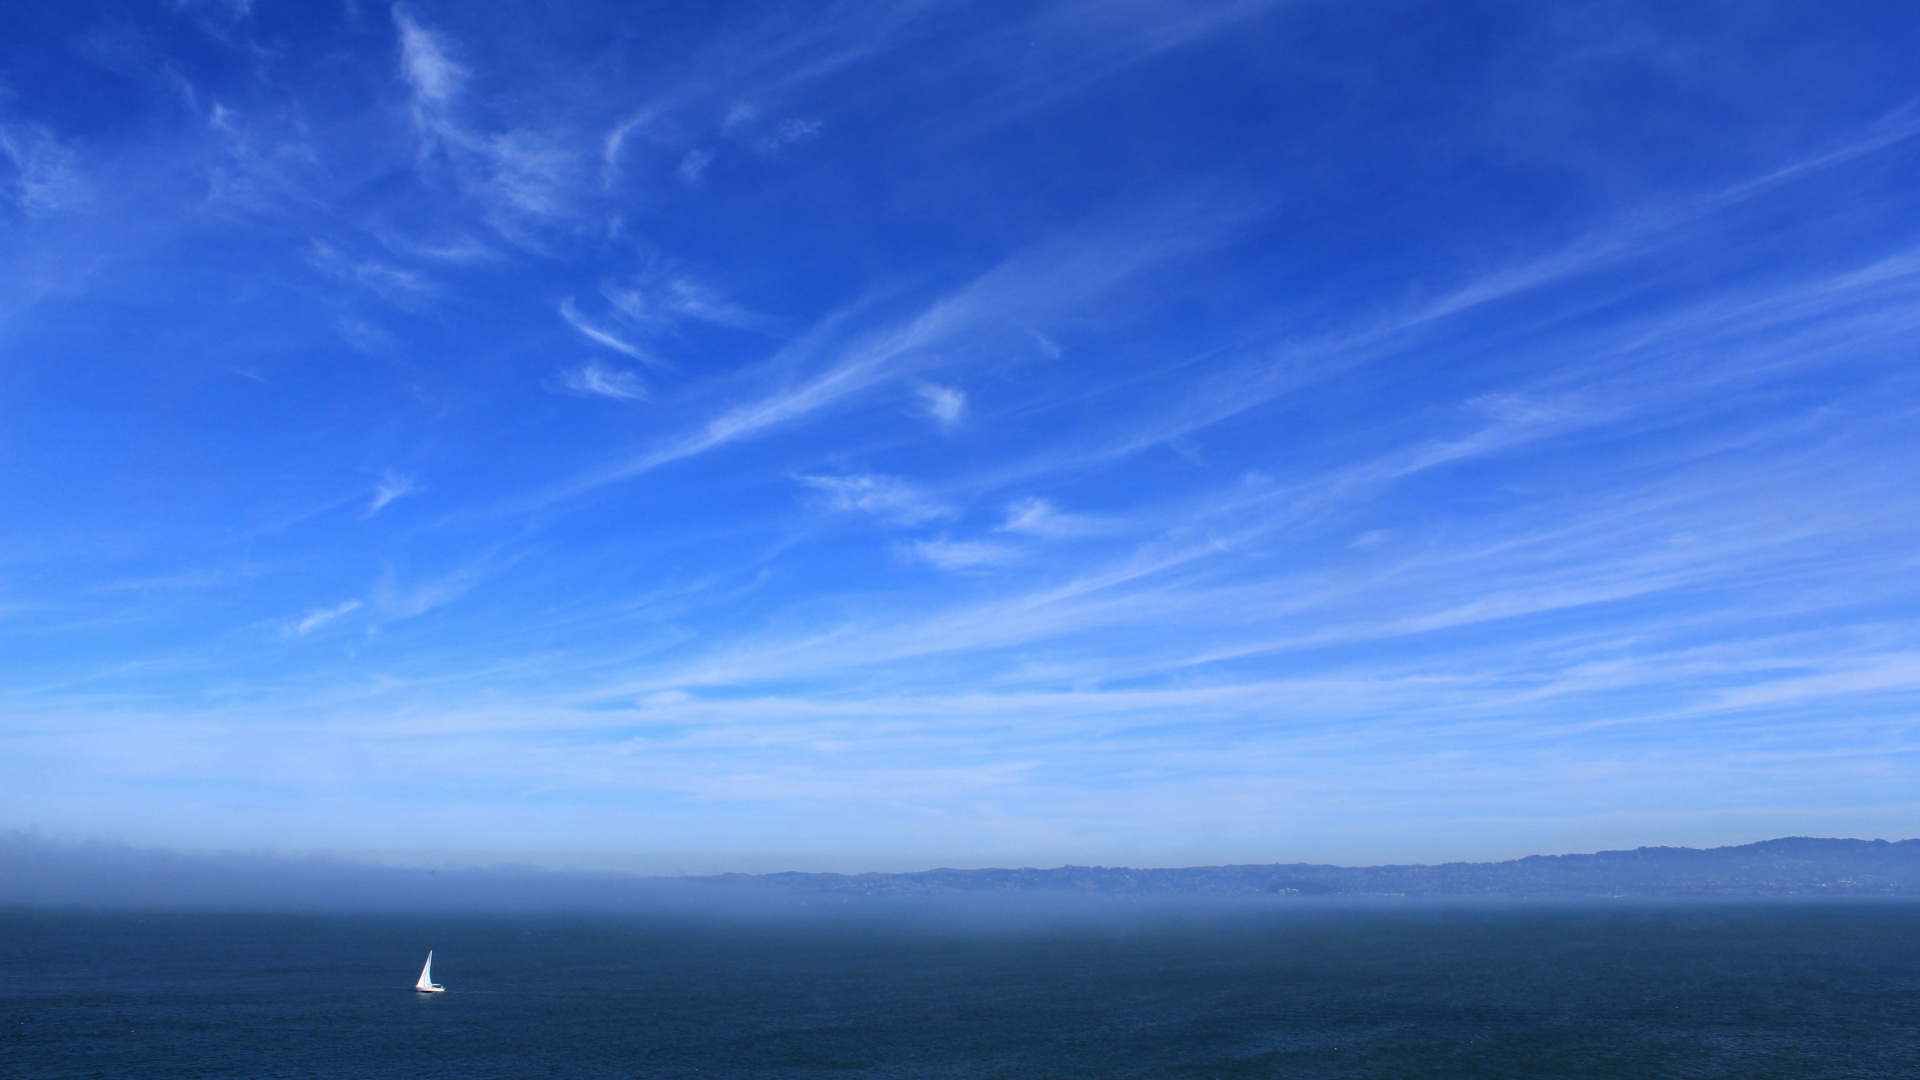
point(426, 985)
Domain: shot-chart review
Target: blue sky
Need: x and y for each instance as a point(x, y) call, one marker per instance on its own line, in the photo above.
point(839, 436)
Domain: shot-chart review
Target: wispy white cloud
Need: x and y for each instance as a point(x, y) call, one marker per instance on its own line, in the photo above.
point(693, 164)
point(738, 118)
point(364, 335)
point(42, 175)
point(530, 174)
point(392, 486)
point(603, 381)
point(1035, 516)
point(1623, 512)
point(1270, 369)
point(426, 60)
point(963, 554)
point(794, 130)
point(460, 247)
point(946, 405)
point(525, 177)
point(740, 126)
point(317, 619)
point(887, 497)
point(661, 301)
point(1583, 552)
point(397, 601)
point(571, 313)
point(616, 141)
point(1054, 51)
point(828, 365)
point(399, 286)
point(1025, 514)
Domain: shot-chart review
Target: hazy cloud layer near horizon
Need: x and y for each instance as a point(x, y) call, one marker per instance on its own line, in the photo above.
point(35, 873)
point(878, 437)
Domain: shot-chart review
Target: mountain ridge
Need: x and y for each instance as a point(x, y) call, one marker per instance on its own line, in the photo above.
point(1785, 866)
point(36, 873)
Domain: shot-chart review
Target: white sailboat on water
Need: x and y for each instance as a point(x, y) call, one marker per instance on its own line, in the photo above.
point(426, 985)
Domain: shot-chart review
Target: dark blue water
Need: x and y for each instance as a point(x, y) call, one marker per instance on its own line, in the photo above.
point(1748, 992)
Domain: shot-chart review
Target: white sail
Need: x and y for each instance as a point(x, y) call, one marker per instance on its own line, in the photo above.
point(426, 985)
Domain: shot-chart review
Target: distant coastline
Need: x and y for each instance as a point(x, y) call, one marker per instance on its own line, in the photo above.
point(37, 873)
point(1790, 866)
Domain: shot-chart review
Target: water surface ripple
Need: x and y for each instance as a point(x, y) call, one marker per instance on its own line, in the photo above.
point(1797, 991)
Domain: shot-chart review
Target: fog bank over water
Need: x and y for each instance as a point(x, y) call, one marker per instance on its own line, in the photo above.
point(39, 873)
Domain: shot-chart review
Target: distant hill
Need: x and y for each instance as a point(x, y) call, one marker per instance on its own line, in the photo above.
point(1791, 866)
point(36, 873)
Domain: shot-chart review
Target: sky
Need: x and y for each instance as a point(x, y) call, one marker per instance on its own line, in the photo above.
point(832, 436)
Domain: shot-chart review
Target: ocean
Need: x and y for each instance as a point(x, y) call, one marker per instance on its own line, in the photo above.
point(1299, 991)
